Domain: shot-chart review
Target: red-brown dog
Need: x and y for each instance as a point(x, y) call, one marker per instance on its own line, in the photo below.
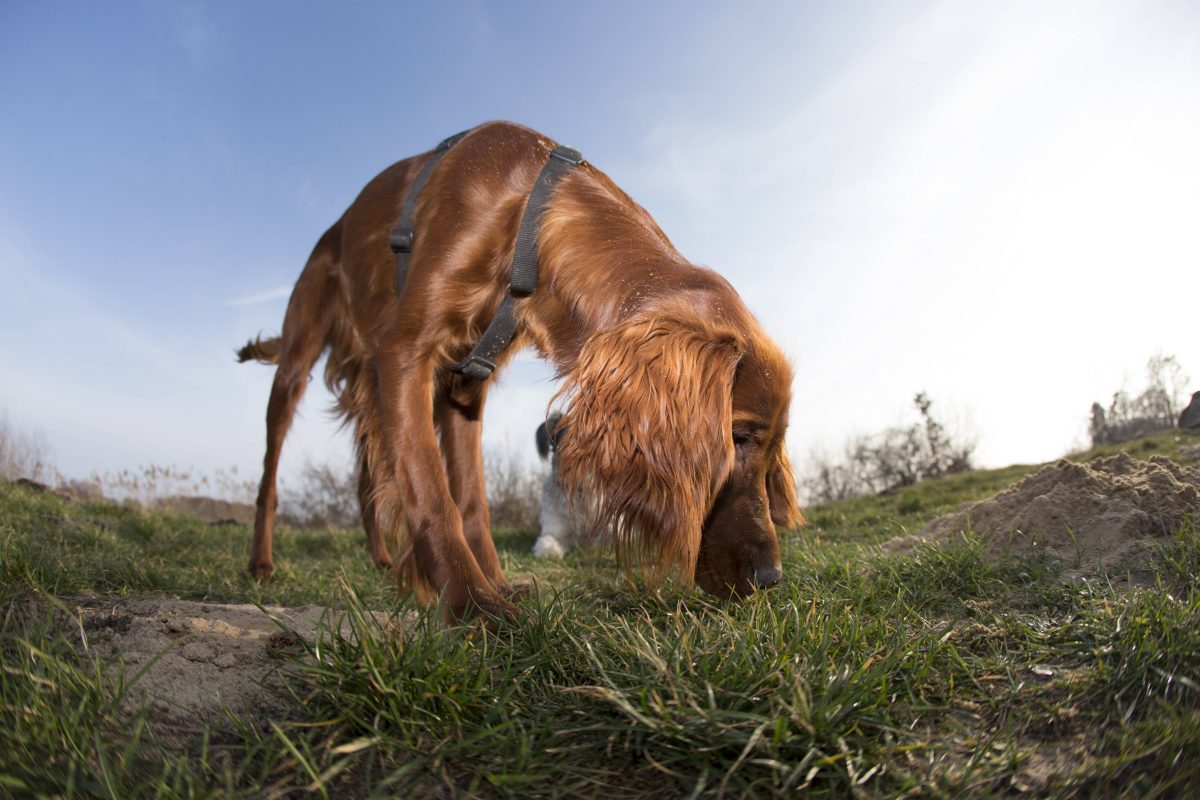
point(676, 402)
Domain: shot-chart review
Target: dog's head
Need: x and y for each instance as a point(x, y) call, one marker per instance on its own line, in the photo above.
point(674, 431)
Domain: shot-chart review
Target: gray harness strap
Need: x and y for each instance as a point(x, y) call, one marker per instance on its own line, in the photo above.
point(401, 237)
point(481, 362)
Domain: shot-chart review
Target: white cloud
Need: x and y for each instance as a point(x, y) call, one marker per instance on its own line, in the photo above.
point(986, 203)
point(196, 33)
point(278, 293)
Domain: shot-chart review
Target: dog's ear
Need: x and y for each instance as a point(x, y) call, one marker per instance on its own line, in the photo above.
point(542, 436)
point(549, 434)
point(781, 492)
point(647, 442)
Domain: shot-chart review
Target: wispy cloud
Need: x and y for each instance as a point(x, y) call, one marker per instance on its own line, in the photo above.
point(277, 293)
point(196, 34)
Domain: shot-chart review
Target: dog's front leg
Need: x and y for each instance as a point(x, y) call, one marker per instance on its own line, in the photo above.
point(458, 412)
point(369, 508)
point(443, 558)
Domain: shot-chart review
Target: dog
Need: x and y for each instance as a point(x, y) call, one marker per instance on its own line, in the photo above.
point(675, 402)
point(562, 526)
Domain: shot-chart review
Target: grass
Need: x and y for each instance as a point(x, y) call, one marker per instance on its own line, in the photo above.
point(932, 675)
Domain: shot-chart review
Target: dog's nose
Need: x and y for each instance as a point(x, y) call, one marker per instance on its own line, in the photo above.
point(766, 577)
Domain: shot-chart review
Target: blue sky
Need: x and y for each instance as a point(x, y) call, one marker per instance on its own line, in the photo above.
point(998, 203)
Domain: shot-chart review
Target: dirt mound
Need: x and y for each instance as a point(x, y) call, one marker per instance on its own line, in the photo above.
point(208, 509)
point(1108, 517)
point(200, 658)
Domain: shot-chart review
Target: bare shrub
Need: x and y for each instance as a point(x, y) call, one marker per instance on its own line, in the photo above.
point(154, 485)
point(327, 494)
point(826, 479)
point(893, 458)
point(514, 489)
point(1155, 408)
point(326, 497)
point(23, 454)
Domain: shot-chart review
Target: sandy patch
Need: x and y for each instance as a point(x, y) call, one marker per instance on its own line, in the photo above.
point(1109, 517)
point(200, 658)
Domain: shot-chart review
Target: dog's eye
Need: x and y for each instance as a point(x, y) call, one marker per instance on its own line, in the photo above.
point(742, 438)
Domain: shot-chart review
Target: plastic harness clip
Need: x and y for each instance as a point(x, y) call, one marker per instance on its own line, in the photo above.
point(477, 367)
point(401, 240)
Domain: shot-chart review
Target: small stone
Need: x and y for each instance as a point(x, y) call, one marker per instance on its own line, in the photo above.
point(225, 660)
point(177, 625)
point(197, 651)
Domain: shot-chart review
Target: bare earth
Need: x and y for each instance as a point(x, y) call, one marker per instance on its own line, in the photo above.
point(1110, 517)
point(200, 658)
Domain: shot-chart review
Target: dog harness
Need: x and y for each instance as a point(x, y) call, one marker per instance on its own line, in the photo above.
point(481, 363)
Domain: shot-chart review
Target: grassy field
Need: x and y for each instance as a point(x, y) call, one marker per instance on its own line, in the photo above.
point(932, 675)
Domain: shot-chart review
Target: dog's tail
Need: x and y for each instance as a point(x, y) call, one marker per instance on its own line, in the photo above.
point(264, 351)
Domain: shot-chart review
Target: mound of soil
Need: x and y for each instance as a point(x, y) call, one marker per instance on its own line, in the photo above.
point(200, 658)
point(1110, 517)
point(208, 509)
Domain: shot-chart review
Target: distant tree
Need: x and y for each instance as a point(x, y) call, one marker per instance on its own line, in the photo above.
point(1166, 388)
point(1155, 408)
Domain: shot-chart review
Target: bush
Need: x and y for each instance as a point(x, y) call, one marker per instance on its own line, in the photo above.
point(514, 490)
point(326, 497)
point(23, 455)
point(889, 460)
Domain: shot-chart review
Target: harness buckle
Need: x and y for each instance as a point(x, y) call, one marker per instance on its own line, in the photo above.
point(401, 239)
point(477, 367)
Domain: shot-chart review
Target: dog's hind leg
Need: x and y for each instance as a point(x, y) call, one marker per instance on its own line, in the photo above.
point(305, 328)
point(368, 505)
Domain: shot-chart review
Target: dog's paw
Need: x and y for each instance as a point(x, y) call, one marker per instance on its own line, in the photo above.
point(520, 589)
point(548, 547)
point(478, 605)
point(261, 572)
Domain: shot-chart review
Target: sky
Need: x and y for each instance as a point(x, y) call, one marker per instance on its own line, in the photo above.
point(995, 203)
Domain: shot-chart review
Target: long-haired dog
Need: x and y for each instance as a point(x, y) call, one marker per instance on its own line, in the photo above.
point(675, 402)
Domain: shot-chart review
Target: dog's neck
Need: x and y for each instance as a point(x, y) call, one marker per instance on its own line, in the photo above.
point(605, 262)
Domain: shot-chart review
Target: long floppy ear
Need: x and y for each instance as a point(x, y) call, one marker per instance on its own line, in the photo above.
point(647, 442)
point(781, 492)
